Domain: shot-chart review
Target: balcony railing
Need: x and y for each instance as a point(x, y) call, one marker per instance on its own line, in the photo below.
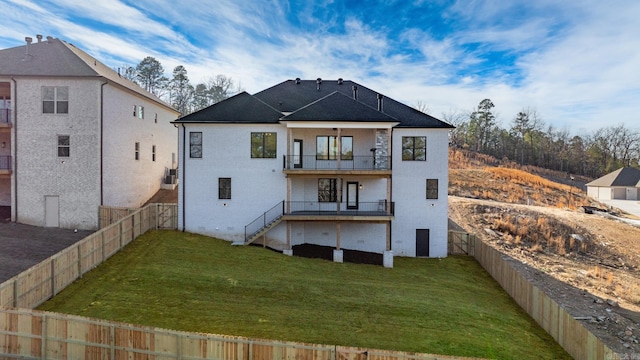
point(5, 162)
point(313, 162)
point(377, 208)
point(5, 116)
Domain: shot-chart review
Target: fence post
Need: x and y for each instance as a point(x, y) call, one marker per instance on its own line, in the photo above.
point(43, 342)
point(15, 292)
point(112, 348)
point(102, 241)
point(79, 262)
point(53, 278)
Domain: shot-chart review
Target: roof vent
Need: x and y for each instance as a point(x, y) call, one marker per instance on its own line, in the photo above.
point(380, 96)
point(297, 81)
point(340, 81)
point(39, 37)
point(318, 82)
point(355, 92)
point(49, 39)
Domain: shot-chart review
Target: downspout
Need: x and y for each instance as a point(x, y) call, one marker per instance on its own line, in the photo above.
point(102, 142)
point(14, 101)
point(183, 181)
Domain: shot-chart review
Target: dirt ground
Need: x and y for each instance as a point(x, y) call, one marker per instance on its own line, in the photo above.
point(164, 197)
point(597, 281)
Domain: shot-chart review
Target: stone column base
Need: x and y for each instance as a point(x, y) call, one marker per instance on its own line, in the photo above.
point(387, 259)
point(287, 252)
point(337, 256)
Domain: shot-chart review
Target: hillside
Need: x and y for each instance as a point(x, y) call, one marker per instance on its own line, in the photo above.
point(534, 215)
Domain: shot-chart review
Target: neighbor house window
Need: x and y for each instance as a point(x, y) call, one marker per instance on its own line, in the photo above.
point(64, 145)
point(195, 144)
point(155, 120)
point(153, 153)
point(327, 190)
point(140, 112)
point(137, 151)
point(263, 145)
point(414, 148)
point(135, 111)
point(55, 99)
point(432, 188)
point(327, 147)
point(224, 188)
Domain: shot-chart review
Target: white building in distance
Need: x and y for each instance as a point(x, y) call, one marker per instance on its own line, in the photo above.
point(75, 135)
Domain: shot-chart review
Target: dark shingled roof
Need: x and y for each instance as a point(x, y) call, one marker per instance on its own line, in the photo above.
point(338, 107)
point(57, 58)
point(240, 108)
point(624, 177)
point(317, 100)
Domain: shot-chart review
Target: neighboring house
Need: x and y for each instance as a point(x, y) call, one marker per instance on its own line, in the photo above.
point(622, 184)
point(75, 135)
point(330, 163)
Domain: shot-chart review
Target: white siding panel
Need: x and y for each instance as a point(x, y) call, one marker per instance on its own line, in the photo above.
point(75, 179)
point(256, 184)
point(412, 210)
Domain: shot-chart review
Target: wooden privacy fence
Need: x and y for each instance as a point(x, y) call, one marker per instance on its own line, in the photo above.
point(576, 339)
point(166, 215)
point(31, 334)
point(41, 282)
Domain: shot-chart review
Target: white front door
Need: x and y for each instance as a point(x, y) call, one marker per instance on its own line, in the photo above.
point(51, 211)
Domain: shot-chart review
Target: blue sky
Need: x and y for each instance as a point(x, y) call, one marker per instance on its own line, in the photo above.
point(575, 62)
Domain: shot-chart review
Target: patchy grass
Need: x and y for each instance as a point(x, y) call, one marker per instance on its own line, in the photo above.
point(189, 282)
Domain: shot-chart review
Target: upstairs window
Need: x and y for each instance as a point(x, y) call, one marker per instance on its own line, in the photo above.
point(55, 99)
point(224, 188)
point(263, 145)
point(195, 144)
point(153, 153)
point(137, 151)
point(432, 188)
point(64, 145)
point(327, 147)
point(140, 112)
point(414, 148)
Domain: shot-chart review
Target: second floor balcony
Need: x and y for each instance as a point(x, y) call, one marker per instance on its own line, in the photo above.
point(315, 164)
point(5, 116)
point(5, 164)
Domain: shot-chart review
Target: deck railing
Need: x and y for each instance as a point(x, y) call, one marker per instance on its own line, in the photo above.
point(377, 208)
point(313, 162)
point(5, 116)
point(5, 162)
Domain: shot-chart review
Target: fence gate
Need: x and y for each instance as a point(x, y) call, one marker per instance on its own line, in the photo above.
point(167, 216)
point(461, 243)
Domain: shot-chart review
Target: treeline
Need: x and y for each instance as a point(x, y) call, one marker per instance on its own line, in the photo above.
point(529, 141)
point(177, 90)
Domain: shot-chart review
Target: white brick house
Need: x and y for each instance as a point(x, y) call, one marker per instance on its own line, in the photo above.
point(320, 162)
point(75, 135)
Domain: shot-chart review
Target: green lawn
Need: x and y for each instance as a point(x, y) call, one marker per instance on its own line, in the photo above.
point(190, 282)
